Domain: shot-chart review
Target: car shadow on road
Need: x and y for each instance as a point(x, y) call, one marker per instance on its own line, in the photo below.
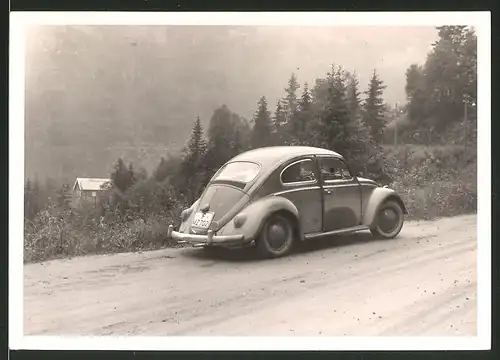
point(250, 254)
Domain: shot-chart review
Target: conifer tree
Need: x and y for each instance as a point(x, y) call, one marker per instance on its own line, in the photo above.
point(261, 132)
point(332, 131)
point(279, 122)
point(28, 198)
point(290, 100)
point(192, 169)
point(121, 176)
point(373, 115)
point(303, 118)
point(305, 99)
point(236, 143)
point(161, 172)
point(197, 144)
point(64, 196)
point(132, 178)
point(353, 96)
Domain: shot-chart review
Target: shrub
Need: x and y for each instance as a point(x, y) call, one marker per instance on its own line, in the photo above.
point(54, 234)
point(438, 199)
point(435, 182)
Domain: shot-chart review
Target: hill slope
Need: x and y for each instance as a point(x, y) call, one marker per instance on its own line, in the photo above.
point(94, 93)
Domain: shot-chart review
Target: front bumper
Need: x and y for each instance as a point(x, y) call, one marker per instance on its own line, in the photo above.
point(205, 240)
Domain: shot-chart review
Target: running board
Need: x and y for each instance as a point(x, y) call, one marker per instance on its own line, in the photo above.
point(337, 232)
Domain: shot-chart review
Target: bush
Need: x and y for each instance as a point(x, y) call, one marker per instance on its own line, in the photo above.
point(438, 199)
point(58, 233)
point(435, 182)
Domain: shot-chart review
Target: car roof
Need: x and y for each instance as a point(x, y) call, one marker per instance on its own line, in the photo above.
point(275, 155)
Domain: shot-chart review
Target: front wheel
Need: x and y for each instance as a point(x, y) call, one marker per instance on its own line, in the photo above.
point(389, 220)
point(276, 237)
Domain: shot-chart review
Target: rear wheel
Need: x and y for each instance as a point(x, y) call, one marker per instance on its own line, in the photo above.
point(389, 220)
point(276, 237)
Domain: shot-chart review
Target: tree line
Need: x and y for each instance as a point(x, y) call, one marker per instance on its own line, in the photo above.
point(330, 115)
point(443, 91)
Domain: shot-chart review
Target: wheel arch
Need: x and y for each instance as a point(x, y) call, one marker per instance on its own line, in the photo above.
point(258, 212)
point(291, 216)
point(396, 198)
point(377, 198)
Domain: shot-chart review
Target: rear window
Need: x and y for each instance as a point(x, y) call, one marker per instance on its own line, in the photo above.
point(239, 171)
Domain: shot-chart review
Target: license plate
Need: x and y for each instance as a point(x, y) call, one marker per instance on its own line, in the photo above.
point(202, 220)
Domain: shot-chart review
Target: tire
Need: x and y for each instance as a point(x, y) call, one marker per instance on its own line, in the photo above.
point(277, 236)
point(386, 228)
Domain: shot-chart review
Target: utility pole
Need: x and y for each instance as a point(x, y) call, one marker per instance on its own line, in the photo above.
point(396, 127)
point(465, 125)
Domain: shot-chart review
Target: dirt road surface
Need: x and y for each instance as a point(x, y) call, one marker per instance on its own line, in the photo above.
point(422, 283)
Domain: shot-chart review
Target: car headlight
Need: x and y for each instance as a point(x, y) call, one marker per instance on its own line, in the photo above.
point(239, 220)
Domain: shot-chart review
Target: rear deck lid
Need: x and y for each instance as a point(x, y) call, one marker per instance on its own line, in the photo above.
point(224, 197)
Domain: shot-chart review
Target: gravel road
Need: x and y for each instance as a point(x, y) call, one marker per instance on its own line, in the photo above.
point(422, 283)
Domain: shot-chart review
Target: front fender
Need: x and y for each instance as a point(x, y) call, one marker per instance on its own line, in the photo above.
point(256, 214)
point(377, 197)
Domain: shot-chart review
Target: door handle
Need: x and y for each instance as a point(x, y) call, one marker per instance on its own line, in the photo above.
point(328, 191)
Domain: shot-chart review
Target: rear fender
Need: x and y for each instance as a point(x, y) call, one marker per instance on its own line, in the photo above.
point(377, 198)
point(189, 219)
point(257, 213)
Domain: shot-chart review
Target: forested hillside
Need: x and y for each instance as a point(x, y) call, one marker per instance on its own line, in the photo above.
point(96, 93)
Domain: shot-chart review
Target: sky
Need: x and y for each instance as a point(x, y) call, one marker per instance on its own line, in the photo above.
point(310, 52)
point(248, 62)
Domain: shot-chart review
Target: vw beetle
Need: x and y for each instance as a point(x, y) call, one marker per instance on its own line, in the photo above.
point(271, 197)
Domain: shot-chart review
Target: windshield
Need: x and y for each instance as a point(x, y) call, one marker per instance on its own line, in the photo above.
point(240, 171)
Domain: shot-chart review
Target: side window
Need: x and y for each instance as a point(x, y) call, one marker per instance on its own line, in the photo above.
point(334, 169)
point(299, 172)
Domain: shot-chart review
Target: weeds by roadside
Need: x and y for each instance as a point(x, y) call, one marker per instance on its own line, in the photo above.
point(435, 183)
point(68, 234)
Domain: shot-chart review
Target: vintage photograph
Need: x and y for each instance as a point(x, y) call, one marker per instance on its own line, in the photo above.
point(250, 180)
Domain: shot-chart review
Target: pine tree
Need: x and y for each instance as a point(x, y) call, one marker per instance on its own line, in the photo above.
point(279, 122)
point(261, 132)
point(161, 172)
point(236, 143)
point(241, 134)
point(142, 174)
point(28, 198)
point(132, 178)
point(303, 118)
point(332, 131)
point(290, 101)
point(220, 134)
point(64, 196)
point(197, 144)
point(374, 108)
point(353, 96)
point(305, 99)
point(121, 176)
point(192, 167)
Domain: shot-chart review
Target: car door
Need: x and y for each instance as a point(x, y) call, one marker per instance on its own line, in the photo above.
point(300, 184)
point(341, 194)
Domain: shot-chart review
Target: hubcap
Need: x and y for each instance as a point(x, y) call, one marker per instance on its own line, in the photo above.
point(388, 220)
point(277, 234)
